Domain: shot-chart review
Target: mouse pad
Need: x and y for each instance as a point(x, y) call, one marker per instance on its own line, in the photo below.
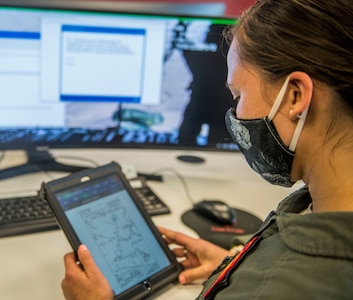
point(220, 234)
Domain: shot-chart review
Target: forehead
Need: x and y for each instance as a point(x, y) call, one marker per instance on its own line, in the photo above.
point(232, 56)
point(233, 61)
point(239, 72)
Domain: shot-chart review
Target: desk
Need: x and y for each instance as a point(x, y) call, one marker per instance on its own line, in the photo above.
point(32, 265)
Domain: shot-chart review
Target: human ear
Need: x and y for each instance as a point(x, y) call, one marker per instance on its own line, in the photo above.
point(300, 93)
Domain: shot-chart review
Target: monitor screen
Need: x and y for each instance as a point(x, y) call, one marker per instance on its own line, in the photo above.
point(74, 75)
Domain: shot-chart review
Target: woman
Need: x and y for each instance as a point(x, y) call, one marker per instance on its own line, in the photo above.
point(291, 75)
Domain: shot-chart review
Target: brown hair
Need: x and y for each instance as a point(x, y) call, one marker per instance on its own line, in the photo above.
point(313, 36)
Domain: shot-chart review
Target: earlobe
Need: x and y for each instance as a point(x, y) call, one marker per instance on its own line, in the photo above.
point(292, 115)
point(302, 92)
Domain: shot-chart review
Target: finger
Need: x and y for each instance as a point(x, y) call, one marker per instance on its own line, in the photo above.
point(190, 261)
point(169, 241)
point(191, 275)
point(70, 260)
point(178, 238)
point(186, 263)
point(165, 234)
point(86, 259)
point(180, 252)
point(73, 272)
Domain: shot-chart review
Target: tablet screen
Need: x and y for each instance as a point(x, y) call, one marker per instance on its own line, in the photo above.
point(106, 219)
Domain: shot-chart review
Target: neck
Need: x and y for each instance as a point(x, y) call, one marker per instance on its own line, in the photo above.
point(331, 184)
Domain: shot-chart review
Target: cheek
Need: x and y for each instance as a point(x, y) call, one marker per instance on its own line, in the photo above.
point(252, 108)
point(243, 109)
point(285, 128)
point(239, 110)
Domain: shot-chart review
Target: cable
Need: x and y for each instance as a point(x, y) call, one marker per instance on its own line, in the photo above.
point(182, 180)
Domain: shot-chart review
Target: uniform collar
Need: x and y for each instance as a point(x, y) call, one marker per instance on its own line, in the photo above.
point(323, 234)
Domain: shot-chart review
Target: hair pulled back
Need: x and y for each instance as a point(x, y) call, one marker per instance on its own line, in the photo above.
point(313, 36)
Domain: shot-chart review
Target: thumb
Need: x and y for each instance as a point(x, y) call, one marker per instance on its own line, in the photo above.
point(86, 259)
point(188, 276)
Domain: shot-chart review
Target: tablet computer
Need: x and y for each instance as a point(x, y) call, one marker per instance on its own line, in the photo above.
point(98, 208)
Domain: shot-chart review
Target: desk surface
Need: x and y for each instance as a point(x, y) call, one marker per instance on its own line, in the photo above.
point(32, 265)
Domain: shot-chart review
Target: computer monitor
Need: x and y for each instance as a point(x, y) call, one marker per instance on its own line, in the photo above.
point(87, 75)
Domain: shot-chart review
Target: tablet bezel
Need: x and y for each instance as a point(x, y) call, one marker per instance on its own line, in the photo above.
point(143, 289)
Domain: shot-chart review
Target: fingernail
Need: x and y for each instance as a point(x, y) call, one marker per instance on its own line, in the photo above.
point(182, 279)
point(83, 248)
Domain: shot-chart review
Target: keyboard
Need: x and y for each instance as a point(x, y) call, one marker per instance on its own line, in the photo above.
point(153, 204)
point(30, 214)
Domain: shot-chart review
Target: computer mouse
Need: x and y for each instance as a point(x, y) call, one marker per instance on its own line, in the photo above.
point(216, 210)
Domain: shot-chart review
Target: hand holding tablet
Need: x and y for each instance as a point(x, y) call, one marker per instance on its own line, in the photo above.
point(98, 208)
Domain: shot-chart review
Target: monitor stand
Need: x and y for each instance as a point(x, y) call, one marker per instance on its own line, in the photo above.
point(38, 161)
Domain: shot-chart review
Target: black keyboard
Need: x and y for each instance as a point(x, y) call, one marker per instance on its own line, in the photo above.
point(153, 204)
point(27, 214)
point(30, 214)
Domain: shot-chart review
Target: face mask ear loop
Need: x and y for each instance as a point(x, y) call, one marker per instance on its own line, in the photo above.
point(298, 129)
point(278, 100)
